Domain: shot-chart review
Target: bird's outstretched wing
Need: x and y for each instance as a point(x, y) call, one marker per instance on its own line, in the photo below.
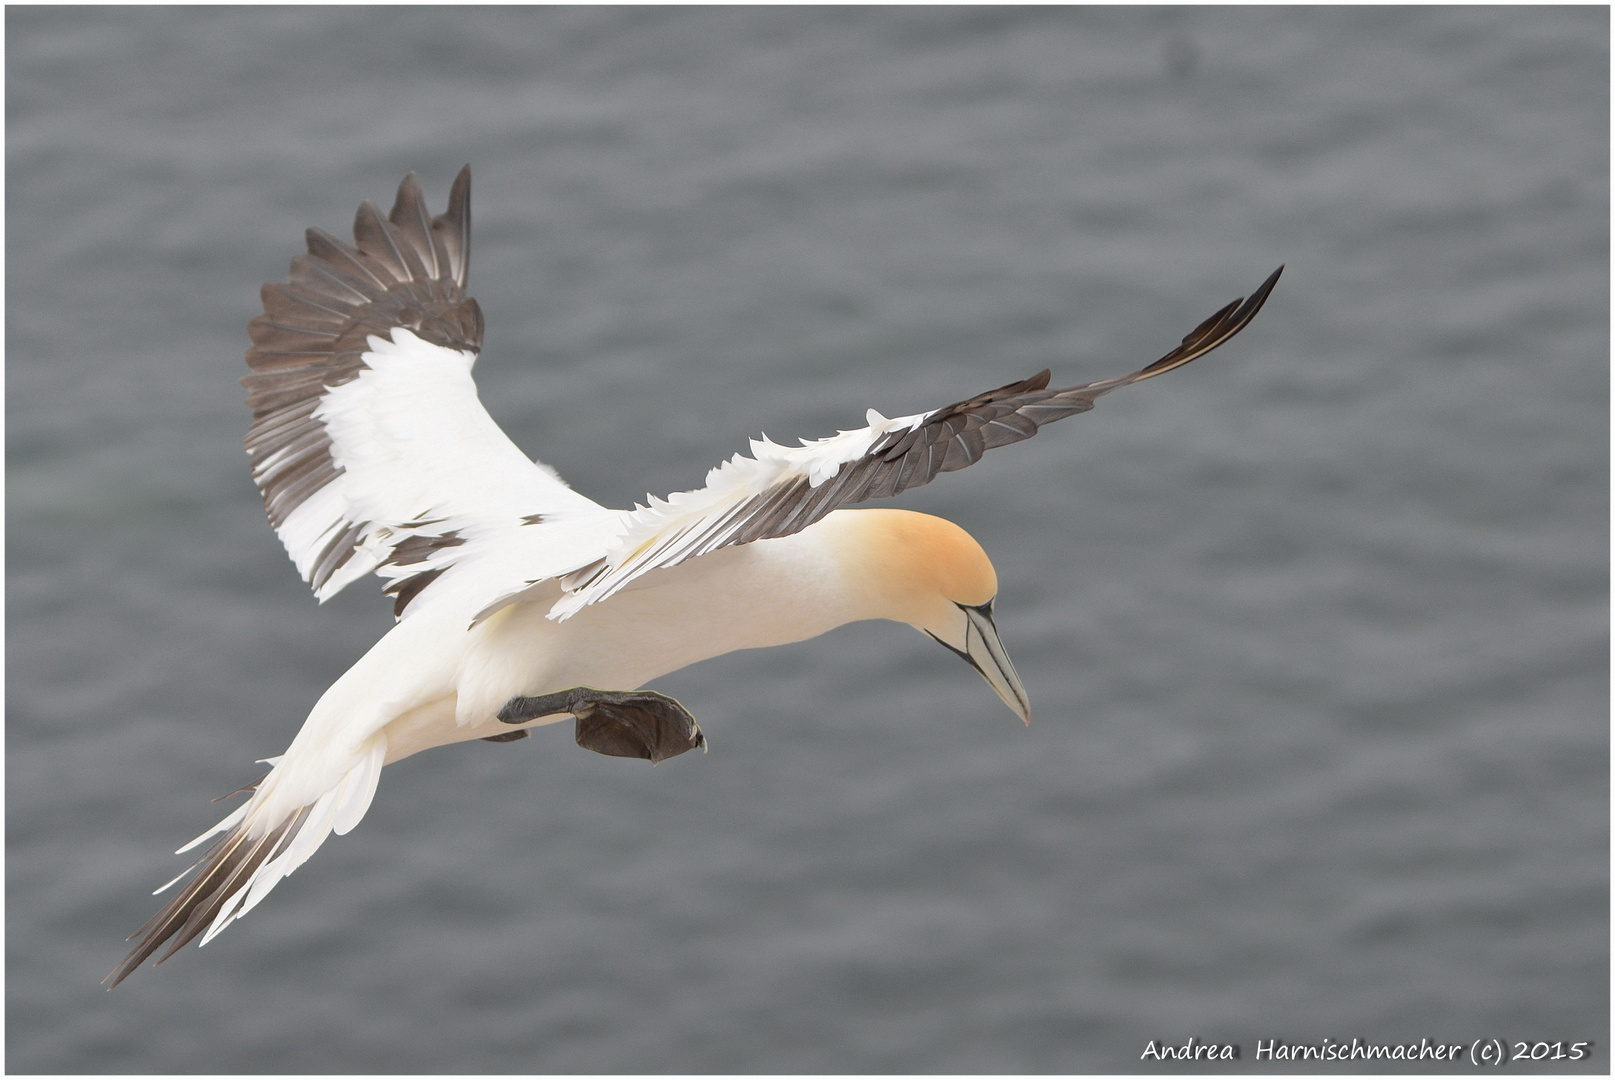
point(781, 490)
point(368, 440)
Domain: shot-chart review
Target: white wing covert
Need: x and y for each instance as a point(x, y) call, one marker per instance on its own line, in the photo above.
point(368, 441)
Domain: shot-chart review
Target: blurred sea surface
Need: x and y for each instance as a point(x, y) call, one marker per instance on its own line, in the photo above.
point(1316, 630)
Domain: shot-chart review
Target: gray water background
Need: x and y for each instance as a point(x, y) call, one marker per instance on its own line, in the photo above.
point(1316, 630)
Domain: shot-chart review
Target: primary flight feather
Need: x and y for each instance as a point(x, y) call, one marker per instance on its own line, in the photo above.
point(521, 602)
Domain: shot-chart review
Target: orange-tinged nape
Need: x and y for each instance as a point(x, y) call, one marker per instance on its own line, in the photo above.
point(915, 566)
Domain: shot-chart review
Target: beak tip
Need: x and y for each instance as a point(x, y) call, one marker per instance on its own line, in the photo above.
point(984, 651)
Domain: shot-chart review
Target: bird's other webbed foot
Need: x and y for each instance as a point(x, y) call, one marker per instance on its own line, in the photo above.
point(507, 736)
point(617, 723)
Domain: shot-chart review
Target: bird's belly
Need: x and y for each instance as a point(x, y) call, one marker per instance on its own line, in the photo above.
point(756, 596)
point(433, 724)
point(520, 653)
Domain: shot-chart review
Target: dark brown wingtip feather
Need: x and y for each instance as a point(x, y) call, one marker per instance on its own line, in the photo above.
point(414, 223)
point(1214, 331)
point(453, 227)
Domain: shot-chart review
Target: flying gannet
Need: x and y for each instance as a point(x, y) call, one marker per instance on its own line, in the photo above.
point(520, 602)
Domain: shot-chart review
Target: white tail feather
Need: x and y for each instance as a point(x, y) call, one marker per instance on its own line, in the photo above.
point(228, 823)
point(260, 885)
point(338, 809)
point(226, 914)
point(182, 874)
point(355, 801)
point(309, 836)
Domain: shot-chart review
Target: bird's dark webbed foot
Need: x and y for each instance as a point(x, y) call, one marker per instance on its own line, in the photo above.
point(507, 736)
point(617, 723)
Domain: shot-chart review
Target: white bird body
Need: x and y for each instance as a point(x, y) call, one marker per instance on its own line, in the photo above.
point(455, 677)
point(522, 602)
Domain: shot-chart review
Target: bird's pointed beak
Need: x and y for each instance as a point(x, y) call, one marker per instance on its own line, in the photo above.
point(984, 651)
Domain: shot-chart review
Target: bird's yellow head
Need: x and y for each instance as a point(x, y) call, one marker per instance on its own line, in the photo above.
point(928, 572)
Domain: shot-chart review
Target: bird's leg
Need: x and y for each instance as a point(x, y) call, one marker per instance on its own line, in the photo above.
point(618, 723)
